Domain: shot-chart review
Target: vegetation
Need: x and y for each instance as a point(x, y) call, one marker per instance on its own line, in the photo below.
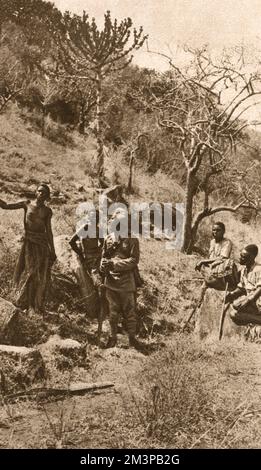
point(176, 136)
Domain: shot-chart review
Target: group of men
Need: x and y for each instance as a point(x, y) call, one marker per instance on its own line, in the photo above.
point(244, 286)
point(112, 263)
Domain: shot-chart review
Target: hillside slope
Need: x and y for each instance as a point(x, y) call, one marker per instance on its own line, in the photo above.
point(215, 378)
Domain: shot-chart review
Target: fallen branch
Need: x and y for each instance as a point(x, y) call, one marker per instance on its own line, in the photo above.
point(73, 389)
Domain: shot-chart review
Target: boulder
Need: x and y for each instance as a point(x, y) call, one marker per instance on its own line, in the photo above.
point(208, 317)
point(18, 328)
point(20, 368)
point(8, 317)
point(66, 353)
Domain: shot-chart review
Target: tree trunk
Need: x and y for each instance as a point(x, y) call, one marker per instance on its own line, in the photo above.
point(187, 227)
point(43, 121)
point(100, 154)
point(81, 126)
point(130, 182)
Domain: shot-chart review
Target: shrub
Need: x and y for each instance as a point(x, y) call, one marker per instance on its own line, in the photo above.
point(58, 134)
point(176, 406)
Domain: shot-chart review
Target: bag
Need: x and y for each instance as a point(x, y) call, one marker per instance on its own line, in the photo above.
point(225, 273)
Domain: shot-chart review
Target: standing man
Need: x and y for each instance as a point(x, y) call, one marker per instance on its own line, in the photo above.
point(119, 262)
point(37, 254)
point(247, 307)
point(89, 250)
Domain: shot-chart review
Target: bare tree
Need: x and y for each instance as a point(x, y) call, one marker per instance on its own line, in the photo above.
point(203, 108)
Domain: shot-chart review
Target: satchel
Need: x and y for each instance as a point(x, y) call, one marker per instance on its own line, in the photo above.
point(225, 273)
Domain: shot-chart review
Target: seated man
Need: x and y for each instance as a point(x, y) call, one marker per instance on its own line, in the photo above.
point(247, 307)
point(220, 247)
point(219, 268)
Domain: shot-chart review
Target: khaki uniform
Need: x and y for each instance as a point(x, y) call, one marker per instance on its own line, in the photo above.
point(120, 281)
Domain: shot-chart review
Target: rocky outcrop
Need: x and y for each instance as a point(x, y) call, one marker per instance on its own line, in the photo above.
point(8, 317)
point(64, 353)
point(208, 317)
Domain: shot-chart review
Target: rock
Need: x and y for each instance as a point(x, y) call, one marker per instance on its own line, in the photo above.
point(66, 353)
point(17, 328)
point(8, 317)
point(208, 319)
point(20, 368)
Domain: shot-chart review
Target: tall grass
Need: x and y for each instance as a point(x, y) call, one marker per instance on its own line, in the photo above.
point(182, 403)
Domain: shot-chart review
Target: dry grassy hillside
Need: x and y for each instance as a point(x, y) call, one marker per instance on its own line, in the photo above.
point(185, 395)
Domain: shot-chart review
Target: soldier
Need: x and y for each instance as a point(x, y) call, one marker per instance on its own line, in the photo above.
point(119, 262)
point(37, 254)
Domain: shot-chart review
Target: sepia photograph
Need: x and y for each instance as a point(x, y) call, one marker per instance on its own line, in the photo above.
point(130, 227)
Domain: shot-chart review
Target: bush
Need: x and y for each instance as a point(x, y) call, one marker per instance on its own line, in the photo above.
point(7, 266)
point(58, 134)
point(176, 406)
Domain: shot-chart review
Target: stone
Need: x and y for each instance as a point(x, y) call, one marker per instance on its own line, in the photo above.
point(20, 368)
point(8, 317)
point(208, 317)
point(66, 352)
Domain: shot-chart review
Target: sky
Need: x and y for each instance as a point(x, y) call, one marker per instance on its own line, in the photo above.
point(171, 23)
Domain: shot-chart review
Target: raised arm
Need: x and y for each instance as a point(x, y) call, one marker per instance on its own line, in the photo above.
point(14, 205)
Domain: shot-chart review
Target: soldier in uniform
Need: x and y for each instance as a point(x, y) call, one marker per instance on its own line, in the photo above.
point(120, 258)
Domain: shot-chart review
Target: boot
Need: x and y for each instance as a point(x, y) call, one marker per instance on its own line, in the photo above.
point(141, 347)
point(112, 341)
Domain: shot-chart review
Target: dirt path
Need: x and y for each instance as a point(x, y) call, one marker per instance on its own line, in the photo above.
point(99, 420)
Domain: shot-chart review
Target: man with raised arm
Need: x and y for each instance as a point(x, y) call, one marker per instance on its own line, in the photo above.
point(37, 254)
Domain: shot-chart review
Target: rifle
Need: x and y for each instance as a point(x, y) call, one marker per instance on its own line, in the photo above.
point(223, 314)
point(203, 291)
point(109, 252)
